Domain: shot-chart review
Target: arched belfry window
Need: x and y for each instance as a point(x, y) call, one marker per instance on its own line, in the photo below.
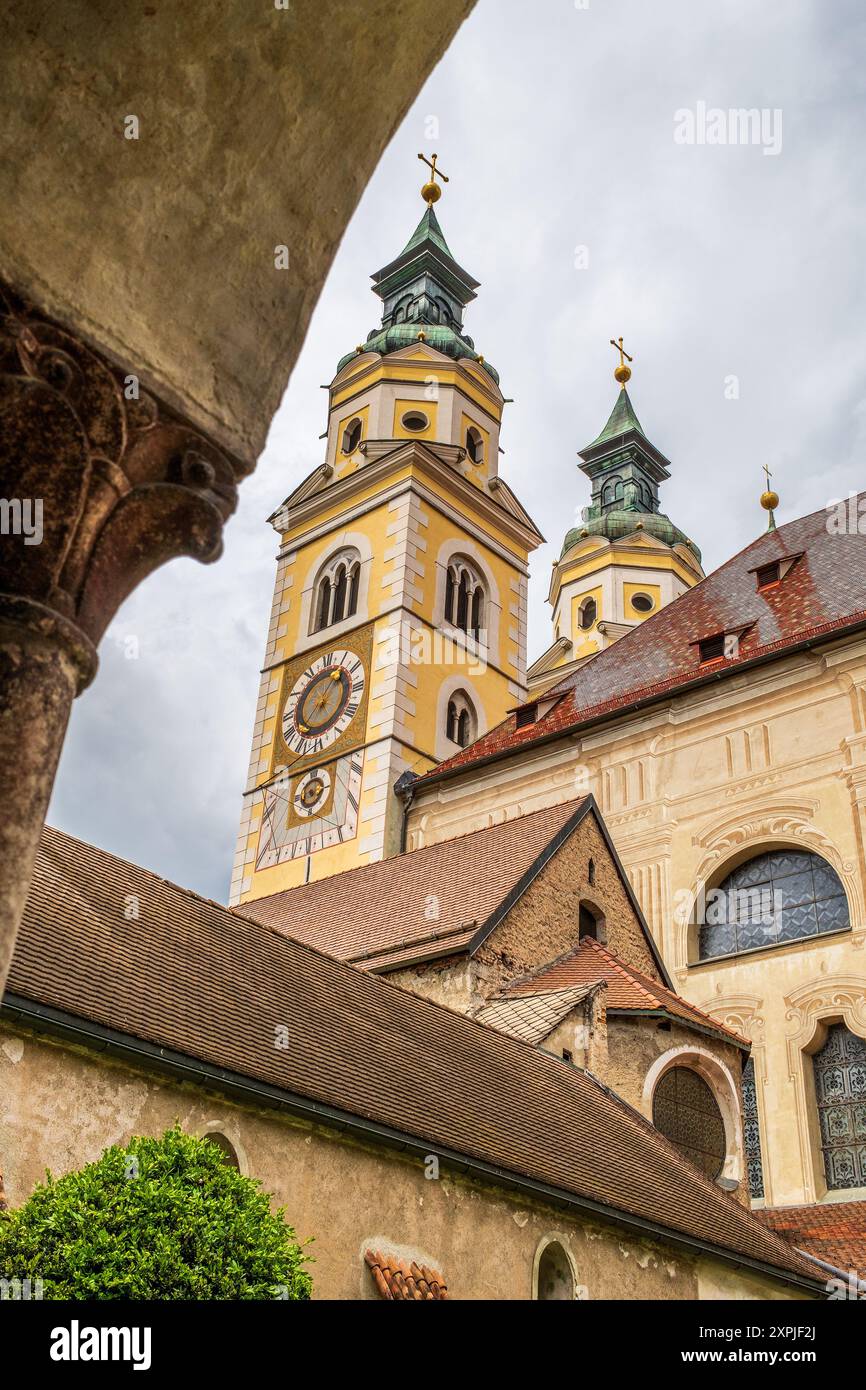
point(465, 598)
point(336, 592)
point(461, 721)
point(475, 445)
point(686, 1112)
point(587, 613)
point(782, 895)
point(840, 1091)
point(351, 436)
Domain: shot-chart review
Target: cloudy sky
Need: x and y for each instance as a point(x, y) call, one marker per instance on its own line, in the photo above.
point(736, 277)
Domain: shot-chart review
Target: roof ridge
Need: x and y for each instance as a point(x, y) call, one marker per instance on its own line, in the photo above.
point(618, 965)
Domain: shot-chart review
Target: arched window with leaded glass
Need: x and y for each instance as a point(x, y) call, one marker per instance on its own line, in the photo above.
point(777, 896)
point(840, 1092)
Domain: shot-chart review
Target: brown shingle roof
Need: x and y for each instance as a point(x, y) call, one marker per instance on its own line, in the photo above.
point(189, 976)
point(822, 594)
point(834, 1231)
point(426, 903)
point(402, 1279)
point(628, 990)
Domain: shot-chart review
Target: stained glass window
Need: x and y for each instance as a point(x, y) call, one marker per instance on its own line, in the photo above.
point(840, 1087)
point(784, 895)
point(752, 1132)
point(686, 1112)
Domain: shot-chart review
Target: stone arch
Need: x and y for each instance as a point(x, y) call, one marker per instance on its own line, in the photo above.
point(554, 1270)
point(810, 1010)
point(226, 1136)
point(727, 843)
point(725, 1091)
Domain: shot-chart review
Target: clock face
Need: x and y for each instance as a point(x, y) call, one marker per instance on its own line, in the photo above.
point(311, 792)
point(323, 702)
point(314, 811)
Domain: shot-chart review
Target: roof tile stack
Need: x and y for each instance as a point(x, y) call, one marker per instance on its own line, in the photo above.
point(403, 1279)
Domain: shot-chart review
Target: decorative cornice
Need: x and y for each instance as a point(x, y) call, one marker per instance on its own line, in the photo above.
point(411, 452)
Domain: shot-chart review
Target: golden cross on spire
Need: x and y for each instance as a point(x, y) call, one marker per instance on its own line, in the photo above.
point(622, 372)
point(768, 474)
point(431, 192)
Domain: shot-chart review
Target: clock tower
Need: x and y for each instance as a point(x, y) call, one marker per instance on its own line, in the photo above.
point(398, 625)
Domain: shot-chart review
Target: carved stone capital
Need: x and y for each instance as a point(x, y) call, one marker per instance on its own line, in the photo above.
point(111, 482)
point(99, 484)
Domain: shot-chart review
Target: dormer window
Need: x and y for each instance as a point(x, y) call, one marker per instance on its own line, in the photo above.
point(712, 648)
point(768, 575)
point(774, 571)
point(526, 715)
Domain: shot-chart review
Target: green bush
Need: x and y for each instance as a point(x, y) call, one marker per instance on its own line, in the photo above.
point(161, 1219)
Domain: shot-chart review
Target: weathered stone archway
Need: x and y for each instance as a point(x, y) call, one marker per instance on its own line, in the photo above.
point(154, 159)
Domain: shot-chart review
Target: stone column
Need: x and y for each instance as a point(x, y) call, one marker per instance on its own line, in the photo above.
point(99, 484)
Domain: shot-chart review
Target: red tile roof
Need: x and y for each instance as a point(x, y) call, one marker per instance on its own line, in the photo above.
point(822, 594)
point(188, 979)
point(403, 1279)
point(627, 989)
point(835, 1232)
point(427, 903)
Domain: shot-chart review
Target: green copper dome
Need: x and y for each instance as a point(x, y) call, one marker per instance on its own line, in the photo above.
point(436, 335)
point(625, 470)
point(613, 525)
point(423, 292)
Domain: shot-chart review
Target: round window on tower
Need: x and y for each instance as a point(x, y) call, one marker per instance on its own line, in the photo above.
point(642, 603)
point(415, 420)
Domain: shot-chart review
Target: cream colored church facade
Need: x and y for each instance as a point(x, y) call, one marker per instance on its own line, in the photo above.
point(689, 788)
point(396, 710)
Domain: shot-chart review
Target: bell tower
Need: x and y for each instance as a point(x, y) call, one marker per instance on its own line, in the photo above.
point(626, 560)
point(398, 626)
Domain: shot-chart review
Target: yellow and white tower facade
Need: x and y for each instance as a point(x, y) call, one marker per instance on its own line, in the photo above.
point(626, 560)
point(398, 626)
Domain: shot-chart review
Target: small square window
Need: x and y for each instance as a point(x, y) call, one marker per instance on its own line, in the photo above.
point(525, 716)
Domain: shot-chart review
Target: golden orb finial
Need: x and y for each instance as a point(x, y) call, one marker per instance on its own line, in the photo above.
point(769, 499)
point(622, 373)
point(431, 192)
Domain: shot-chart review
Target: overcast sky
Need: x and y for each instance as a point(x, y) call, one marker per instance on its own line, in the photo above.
point(557, 124)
